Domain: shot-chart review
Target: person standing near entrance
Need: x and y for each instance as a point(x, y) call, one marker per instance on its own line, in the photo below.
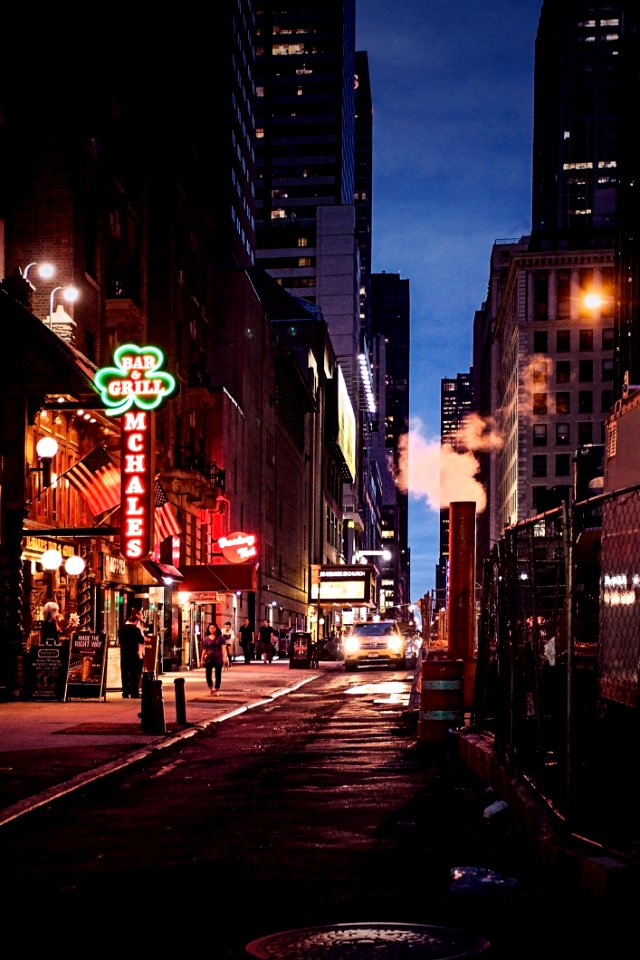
point(130, 660)
point(246, 640)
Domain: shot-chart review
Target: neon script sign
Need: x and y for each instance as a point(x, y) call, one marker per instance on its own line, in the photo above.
point(238, 547)
point(136, 380)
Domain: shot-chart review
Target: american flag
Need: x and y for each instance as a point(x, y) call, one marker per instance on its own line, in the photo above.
point(165, 522)
point(97, 478)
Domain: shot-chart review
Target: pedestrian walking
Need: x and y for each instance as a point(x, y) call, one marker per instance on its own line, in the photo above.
point(230, 641)
point(131, 656)
point(214, 653)
point(265, 641)
point(247, 640)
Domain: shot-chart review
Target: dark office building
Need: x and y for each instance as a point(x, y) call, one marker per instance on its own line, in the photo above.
point(305, 116)
point(391, 319)
point(456, 396)
point(577, 124)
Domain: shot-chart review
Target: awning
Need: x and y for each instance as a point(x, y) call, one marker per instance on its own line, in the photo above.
point(219, 577)
point(162, 571)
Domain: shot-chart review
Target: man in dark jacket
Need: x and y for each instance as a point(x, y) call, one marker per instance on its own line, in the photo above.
point(130, 641)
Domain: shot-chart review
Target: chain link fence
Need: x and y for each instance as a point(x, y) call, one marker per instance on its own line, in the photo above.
point(558, 659)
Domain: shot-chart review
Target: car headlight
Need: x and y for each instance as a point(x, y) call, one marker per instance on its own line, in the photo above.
point(395, 645)
point(351, 645)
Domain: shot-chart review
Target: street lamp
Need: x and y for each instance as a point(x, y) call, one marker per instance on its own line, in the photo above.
point(45, 271)
point(360, 554)
point(69, 293)
point(46, 448)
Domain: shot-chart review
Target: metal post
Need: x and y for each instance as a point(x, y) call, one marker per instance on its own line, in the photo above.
point(152, 705)
point(181, 707)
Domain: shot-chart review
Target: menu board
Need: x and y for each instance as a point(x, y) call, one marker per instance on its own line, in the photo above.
point(48, 670)
point(86, 672)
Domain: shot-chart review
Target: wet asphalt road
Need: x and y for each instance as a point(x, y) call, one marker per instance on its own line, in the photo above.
point(319, 808)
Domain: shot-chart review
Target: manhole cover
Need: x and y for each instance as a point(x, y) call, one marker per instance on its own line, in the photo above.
point(384, 941)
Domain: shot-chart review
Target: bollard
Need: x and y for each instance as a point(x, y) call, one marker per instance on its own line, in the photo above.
point(152, 705)
point(181, 706)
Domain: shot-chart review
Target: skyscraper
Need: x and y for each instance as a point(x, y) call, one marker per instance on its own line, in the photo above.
point(455, 404)
point(577, 125)
point(391, 320)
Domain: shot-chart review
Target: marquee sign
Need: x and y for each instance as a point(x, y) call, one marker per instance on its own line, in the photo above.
point(238, 547)
point(135, 381)
point(343, 584)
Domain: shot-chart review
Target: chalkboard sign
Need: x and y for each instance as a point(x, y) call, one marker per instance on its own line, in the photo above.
point(48, 670)
point(86, 673)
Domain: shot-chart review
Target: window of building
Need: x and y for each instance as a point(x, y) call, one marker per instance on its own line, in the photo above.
point(303, 241)
point(563, 293)
point(585, 371)
point(563, 434)
point(540, 403)
point(606, 401)
point(607, 338)
point(563, 402)
point(540, 341)
point(539, 499)
point(585, 401)
point(563, 341)
point(540, 295)
point(607, 370)
point(539, 465)
point(563, 464)
point(540, 373)
point(563, 371)
point(585, 433)
point(540, 434)
point(585, 342)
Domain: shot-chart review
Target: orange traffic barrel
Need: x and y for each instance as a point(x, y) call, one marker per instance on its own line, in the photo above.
point(441, 699)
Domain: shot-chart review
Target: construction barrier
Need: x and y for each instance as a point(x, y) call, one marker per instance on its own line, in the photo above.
point(441, 699)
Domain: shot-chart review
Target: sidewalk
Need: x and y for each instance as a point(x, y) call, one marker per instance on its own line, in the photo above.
point(49, 748)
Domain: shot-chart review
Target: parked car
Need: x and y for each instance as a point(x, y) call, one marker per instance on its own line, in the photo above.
point(376, 643)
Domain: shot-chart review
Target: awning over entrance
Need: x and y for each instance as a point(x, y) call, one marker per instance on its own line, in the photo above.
point(162, 571)
point(219, 577)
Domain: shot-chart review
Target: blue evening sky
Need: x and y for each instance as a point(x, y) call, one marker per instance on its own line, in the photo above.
point(452, 90)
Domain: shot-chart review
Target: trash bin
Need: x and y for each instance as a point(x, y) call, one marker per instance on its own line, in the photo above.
point(300, 651)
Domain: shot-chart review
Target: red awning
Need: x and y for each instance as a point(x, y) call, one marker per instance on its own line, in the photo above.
point(162, 571)
point(219, 577)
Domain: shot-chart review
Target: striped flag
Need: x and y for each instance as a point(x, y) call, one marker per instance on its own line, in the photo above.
point(165, 522)
point(97, 478)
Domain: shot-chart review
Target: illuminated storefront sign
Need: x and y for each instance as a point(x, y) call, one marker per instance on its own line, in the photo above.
point(343, 584)
point(135, 381)
point(238, 547)
point(136, 485)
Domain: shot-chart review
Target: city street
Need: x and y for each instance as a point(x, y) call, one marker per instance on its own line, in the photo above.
point(316, 808)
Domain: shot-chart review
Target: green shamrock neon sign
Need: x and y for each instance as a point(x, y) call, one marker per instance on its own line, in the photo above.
point(135, 380)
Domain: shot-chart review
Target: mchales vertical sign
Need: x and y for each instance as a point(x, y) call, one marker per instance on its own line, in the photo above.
point(133, 388)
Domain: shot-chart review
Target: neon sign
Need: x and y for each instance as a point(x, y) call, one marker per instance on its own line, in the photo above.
point(136, 485)
point(238, 547)
point(135, 380)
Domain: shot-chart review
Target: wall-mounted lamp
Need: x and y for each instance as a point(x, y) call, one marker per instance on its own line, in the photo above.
point(46, 448)
point(74, 565)
point(69, 293)
point(52, 560)
point(45, 271)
